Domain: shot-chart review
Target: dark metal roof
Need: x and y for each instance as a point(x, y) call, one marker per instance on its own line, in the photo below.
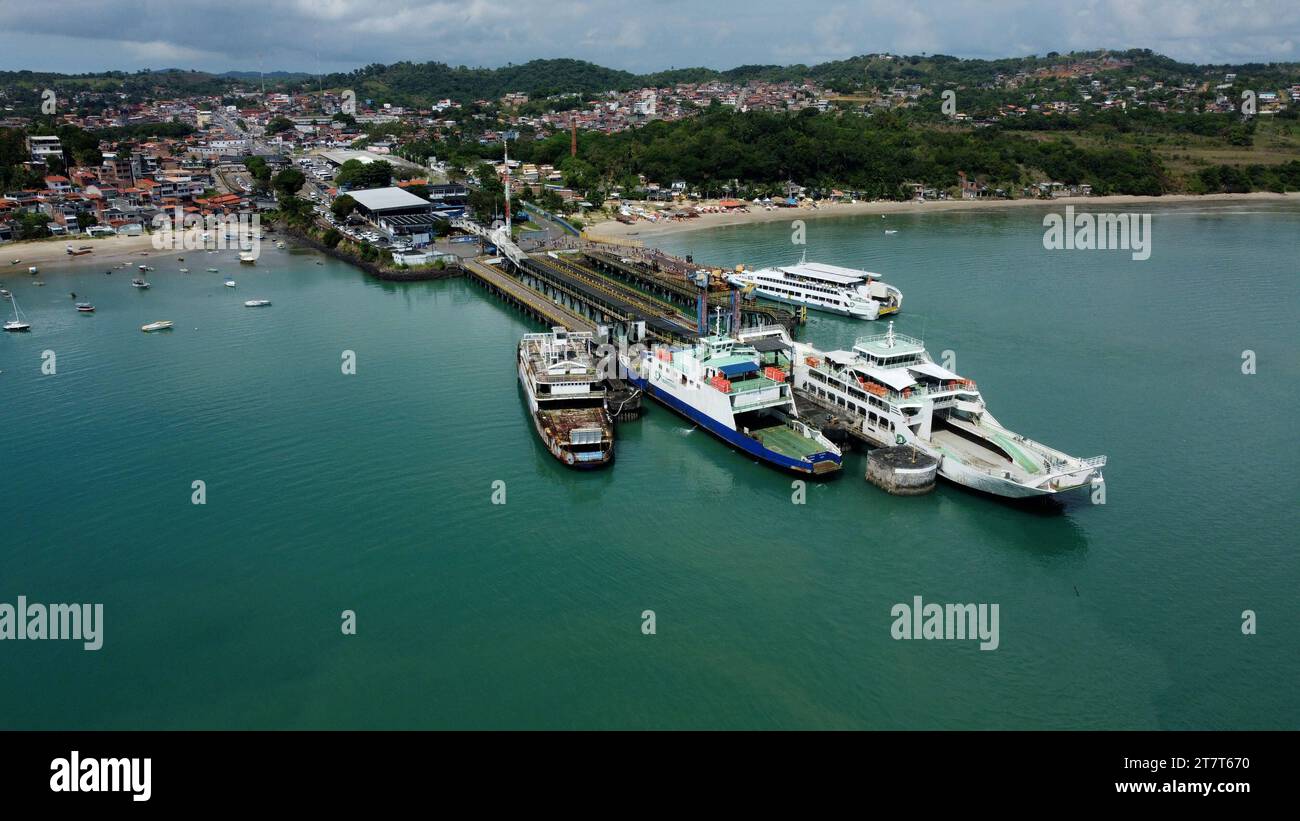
point(769, 344)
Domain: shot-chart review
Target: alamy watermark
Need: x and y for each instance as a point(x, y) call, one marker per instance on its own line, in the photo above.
point(68, 622)
point(179, 231)
point(1100, 232)
point(961, 622)
point(77, 774)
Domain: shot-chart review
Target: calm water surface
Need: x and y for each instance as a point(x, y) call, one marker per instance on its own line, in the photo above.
point(373, 493)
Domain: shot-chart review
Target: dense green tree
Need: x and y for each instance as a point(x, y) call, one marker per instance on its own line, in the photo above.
point(342, 206)
point(356, 174)
point(288, 182)
point(278, 125)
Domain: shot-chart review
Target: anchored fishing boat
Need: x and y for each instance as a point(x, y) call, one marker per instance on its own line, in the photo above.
point(895, 393)
point(257, 303)
point(160, 325)
point(740, 395)
point(567, 397)
point(85, 308)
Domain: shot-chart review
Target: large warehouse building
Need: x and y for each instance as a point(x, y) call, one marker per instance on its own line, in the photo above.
point(398, 212)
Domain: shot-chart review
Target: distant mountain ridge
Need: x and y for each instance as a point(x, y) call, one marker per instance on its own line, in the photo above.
point(409, 83)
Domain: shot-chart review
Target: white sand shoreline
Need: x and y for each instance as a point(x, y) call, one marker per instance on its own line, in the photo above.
point(646, 231)
point(52, 254)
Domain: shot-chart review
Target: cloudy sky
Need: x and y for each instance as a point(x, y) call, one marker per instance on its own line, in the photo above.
point(637, 35)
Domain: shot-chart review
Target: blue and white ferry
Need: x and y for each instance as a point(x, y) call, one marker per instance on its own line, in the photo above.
point(724, 386)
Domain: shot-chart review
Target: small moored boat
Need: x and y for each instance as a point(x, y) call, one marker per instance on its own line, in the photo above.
point(85, 308)
point(18, 323)
point(139, 283)
point(160, 325)
point(257, 303)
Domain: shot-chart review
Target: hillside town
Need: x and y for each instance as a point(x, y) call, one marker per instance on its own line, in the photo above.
point(145, 157)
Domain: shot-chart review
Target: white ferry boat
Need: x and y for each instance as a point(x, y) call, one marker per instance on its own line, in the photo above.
point(740, 395)
point(894, 393)
point(845, 291)
point(566, 397)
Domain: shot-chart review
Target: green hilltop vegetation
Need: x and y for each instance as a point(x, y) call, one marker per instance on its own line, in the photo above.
point(138, 86)
point(754, 153)
point(408, 83)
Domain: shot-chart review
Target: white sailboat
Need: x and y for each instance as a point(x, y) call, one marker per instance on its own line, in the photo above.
point(17, 323)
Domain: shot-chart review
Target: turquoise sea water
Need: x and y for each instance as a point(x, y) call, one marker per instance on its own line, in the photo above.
point(373, 492)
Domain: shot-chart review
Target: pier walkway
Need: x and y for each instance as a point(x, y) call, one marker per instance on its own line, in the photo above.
point(661, 276)
point(530, 301)
point(500, 237)
point(663, 323)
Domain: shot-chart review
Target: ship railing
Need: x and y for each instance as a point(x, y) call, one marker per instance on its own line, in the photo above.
point(1057, 461)
point(758, 396)
point(898, 338)
point(936, 393)
point(759, 330)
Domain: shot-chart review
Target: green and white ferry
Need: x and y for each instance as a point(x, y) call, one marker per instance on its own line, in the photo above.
point(895, 393)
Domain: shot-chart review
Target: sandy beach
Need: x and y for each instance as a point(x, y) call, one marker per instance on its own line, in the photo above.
point(50, 254)
point(645, 230)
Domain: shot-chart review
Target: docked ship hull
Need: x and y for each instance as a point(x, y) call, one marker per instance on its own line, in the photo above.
point(874, 312)
point(816, 467)
point(960, 474)
point(562, 454)
point(891, 390)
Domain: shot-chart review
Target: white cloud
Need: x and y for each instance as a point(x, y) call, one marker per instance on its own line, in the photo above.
point(309, 35)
